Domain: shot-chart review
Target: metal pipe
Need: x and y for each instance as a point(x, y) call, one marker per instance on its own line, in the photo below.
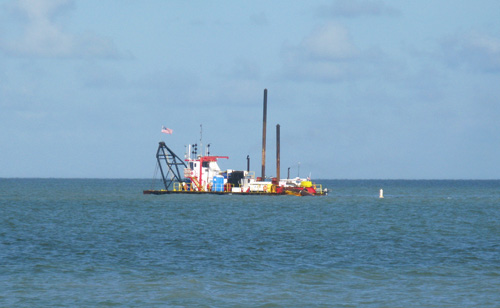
point(278, 152)
point(264, 122)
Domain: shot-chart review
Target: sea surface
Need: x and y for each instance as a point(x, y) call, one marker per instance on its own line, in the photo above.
point(102, 243)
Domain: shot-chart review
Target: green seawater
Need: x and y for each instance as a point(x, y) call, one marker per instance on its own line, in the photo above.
point(100, 243)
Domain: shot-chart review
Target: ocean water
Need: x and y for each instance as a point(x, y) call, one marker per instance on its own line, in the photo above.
point(102, 243)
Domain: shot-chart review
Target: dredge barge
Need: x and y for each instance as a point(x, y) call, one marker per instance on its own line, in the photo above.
point(201, 174)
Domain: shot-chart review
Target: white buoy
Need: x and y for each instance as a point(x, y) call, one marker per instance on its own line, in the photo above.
point(381, 196)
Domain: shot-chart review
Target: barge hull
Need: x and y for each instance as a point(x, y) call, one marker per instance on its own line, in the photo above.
point(167, 192)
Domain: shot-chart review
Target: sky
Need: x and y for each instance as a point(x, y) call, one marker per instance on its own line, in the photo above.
point(361, 89)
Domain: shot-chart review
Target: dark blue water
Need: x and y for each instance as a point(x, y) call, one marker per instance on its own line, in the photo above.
point(102, 243)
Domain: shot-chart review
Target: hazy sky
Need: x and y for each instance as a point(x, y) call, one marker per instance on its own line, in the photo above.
point(361, 89)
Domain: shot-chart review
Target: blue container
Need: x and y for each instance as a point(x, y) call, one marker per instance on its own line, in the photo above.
point(218, 183)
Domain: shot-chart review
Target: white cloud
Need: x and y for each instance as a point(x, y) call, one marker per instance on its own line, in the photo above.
point(42, 36)
point(324, 55)
point(474, 51)
point(42, 9)
point(330, 42)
